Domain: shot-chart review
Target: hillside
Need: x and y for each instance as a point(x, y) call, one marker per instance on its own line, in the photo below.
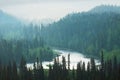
point(105, 8)
point(6, 19)
point(88, 32)
point(10, 26)
point(17, 40)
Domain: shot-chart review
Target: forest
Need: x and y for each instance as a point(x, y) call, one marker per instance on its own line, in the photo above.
point(14, 50)
point(107, 70)
point(28, 44)
point(87, 32)
point(95, 33)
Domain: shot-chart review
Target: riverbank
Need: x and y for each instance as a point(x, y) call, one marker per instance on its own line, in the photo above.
point(75, 57)
point(71, 50)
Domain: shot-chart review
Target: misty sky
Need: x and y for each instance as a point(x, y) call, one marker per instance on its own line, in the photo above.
point(49, 9)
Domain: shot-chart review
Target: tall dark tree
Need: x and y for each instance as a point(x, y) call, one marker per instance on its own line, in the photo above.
point(14, 71)
point(102, 69)
point(23, 69)
point(78, 71)
point(93, 69)
point(73, 74)
point(68, 61)
point(88, 71)
point(50, 76)
point(115, 68)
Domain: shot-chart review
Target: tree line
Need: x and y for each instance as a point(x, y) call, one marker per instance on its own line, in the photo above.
point(13, 50)
point(107, 70)
point(87, 32)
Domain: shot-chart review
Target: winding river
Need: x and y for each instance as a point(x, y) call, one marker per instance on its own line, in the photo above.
point(75, 57)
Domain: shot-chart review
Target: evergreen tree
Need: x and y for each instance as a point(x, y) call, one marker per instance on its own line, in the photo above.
point(102, 69)
point(88, 71)
point(23, 69)
point(68, 61)
point(50, 75)
point(115, 68)
point(93, 69)
point(14, 71)
point(78, 71)
point(73, 74)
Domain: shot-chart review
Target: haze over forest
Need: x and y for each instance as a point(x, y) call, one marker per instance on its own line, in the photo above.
point(31, 10)
point(39, 32)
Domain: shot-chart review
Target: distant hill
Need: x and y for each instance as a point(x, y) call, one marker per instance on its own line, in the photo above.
point(17, 40)
point(87, 32)
point(105, 8)
point(6, 19)
point(13, 28)
point(9, 25)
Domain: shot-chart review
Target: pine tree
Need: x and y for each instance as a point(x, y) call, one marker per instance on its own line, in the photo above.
point(34, 72)
point(78, 71)
point(102, 69)
point(63, 63)
point(42, 76)
point(0, 70)
point(93, 69)
point(88, 71)
point(14, 71)
point(115, 68)
point(73, 74)
point(50, 75)
point(68, 61)
point(83, 72)
point(23, 69)
point(29, 75)
point(64, 70)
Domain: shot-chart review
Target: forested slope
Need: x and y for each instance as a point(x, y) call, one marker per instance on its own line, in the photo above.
point(17, 40)
point(87, 32)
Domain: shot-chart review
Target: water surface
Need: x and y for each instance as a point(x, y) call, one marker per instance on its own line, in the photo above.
point(75, 57)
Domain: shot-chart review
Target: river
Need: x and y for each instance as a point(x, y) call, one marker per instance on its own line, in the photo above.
point(75, 57)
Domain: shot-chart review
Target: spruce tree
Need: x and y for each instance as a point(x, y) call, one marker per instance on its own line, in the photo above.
point(102, 69)
point(93, 69)
point(23, 69)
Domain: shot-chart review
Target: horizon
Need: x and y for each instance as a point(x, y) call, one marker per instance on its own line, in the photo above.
point(50, 11)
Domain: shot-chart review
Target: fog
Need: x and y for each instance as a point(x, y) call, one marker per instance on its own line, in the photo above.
point(34, 10)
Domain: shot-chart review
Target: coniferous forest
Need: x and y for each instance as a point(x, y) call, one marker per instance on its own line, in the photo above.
point(107, 70)
point(94, 34)
point(27, 42)
point(87, 32)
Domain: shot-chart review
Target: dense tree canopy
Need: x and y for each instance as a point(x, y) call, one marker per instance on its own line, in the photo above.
point(107, 70)
point(29, 44)
point(87, 32)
